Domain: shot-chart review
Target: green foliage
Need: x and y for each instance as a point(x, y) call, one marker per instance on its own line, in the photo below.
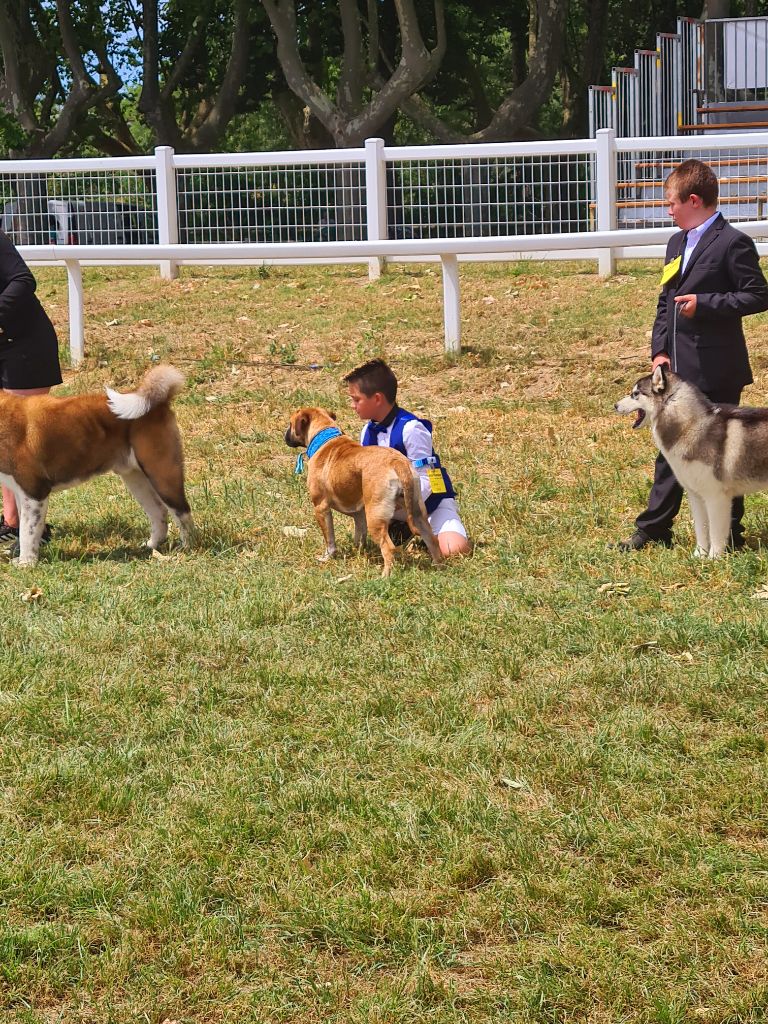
point(12, 136)
point(261, 130)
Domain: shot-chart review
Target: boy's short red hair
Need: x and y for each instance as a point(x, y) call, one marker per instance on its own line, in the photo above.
point(694, 177)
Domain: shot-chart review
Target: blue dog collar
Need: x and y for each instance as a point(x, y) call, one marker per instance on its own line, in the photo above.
point(431, 460)
point(314, 446)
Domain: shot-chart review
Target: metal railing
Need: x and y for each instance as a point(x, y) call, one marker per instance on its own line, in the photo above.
point(500, 201)
point(707, 73)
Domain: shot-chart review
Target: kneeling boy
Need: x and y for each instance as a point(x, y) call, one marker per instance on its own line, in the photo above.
point(372, 391)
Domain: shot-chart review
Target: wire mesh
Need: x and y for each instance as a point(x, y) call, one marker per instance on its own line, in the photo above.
point(95, 207)
point(737, 60)
point(741, 171)
point(297, 203)
point(601, 108)
point(492, 196)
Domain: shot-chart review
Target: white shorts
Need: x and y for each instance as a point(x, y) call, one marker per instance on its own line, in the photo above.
point(446, 518)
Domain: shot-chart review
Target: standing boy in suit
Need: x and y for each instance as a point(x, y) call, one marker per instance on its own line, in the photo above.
point(711, 279)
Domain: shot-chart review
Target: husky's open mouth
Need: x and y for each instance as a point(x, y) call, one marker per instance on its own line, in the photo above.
point(638, 419)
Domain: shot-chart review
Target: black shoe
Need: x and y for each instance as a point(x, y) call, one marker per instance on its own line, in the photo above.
point(16, 547)
point(8, 534)
point(399, 532)
point(640, 540)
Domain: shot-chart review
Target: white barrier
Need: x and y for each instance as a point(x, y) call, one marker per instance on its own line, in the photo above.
point(500, 201)
point(635, 242)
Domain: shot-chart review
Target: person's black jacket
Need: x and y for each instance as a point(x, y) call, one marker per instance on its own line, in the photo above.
point(724, 273)
point(22, 318)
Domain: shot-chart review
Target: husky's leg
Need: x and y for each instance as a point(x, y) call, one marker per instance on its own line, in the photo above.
point(31, 525)
point(719, 513)
point(185, 525)
point(700, 524)
point(146, 495)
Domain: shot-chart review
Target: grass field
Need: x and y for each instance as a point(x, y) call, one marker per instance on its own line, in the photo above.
point(239, 786)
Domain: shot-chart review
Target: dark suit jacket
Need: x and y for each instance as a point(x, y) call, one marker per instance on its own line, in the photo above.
point(22, 319)
point(724, 273)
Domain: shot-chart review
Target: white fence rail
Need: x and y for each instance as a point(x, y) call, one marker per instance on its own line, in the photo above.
point(375, 203)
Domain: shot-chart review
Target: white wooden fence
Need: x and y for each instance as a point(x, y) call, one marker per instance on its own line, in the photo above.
point(504, 201)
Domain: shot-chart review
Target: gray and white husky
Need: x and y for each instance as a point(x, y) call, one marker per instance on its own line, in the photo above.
point(716, 451)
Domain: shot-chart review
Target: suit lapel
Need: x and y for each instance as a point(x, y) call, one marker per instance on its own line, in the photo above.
point(703, 244)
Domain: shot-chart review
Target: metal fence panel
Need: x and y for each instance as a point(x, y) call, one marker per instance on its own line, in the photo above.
point(310, 202)
point(468, 197)
point(89, 206)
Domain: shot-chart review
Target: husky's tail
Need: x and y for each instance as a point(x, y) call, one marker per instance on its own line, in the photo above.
point(159, 385)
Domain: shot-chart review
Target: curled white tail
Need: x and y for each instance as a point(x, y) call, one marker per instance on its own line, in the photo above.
point(159, 385)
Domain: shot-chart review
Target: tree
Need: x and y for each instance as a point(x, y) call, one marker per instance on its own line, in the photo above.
point(49, 77)
point(202, 63)
point(378, 72)
point(365, 99)
point(67, 69)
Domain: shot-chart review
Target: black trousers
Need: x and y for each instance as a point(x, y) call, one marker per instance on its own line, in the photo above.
point(667, 494)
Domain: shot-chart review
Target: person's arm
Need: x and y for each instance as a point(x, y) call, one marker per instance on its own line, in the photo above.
point(16, 281)
point(659, 352)
point(417, 442)
point(750, 289)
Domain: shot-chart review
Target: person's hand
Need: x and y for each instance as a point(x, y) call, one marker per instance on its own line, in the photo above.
point(662, 359)
point(686, 304)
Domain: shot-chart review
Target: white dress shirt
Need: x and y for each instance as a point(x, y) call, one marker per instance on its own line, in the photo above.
point(694, 237)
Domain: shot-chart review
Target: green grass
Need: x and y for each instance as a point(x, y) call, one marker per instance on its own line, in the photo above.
point(239, 786)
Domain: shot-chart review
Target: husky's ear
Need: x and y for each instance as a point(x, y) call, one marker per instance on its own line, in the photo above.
point(659, 380)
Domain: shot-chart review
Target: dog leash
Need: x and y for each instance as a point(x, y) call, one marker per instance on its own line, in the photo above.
point(317, 442)
point(674, 337)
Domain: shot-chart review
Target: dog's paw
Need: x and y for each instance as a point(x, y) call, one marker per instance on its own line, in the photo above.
point(326, 556)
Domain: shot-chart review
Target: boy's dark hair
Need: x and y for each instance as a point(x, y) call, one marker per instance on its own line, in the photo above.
point(693, 177)
point(374, 376)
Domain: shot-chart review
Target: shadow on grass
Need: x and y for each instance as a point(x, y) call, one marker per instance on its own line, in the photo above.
point(112, 539)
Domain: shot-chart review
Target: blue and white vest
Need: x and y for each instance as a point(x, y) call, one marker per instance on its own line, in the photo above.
point(402, 417)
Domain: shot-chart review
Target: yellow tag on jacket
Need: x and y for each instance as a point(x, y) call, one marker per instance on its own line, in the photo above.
point(436, 481)
point(670, 269)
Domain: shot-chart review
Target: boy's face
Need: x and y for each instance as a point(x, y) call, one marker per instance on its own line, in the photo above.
point(688, 213)
point(368, 407)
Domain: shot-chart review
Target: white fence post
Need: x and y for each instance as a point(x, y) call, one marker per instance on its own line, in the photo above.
point(375, 200)
point(605, 195)
point(167, 213)
point(75, 293)
point(451, 304)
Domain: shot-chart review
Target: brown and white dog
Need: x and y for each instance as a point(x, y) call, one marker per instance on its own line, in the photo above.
point(48, 444)
point(370, 484)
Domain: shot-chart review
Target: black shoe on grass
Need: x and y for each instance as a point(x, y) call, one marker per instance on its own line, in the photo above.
point(16, 547)
point(8, 534)
point(640, 540)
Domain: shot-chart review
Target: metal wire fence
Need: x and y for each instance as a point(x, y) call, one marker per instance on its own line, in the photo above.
point(501, 190)
point(507, 195)
point(742, 173)
point(82, 205)
point(313, 202)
